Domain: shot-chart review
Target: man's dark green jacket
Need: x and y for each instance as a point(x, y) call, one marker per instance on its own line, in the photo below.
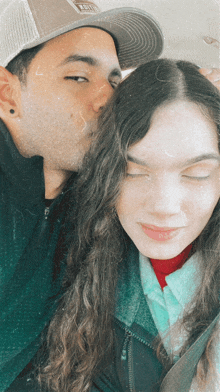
point(28, 237)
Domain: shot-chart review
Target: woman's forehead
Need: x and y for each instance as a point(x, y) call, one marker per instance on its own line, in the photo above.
point(179, 131)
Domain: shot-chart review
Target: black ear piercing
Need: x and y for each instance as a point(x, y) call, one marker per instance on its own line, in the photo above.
point(12, 111)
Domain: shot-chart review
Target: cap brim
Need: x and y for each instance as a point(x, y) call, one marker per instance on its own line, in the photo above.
point(138, 35)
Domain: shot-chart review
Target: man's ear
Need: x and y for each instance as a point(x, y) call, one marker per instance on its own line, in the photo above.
point(9, 94)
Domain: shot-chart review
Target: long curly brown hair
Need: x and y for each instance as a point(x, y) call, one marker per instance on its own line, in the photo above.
point(81, 332)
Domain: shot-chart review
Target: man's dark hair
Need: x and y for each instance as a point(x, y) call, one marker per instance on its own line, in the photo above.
point(19, 65)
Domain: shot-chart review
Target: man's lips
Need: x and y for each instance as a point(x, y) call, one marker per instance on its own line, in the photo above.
point(160, 233)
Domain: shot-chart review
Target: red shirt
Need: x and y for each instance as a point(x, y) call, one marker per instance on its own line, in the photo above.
point(162, 268)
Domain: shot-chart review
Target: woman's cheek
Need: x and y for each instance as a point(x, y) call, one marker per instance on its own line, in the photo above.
point(131, 198)
point(207, 199)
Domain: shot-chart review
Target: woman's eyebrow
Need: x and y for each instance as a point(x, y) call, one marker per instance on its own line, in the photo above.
point(191, 161)
point(137, 161)
point(202, 157)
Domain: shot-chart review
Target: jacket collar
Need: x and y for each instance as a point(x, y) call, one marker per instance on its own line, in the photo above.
point(131, 305)
point(25, 175)
point(185, 282)
point(129, 289)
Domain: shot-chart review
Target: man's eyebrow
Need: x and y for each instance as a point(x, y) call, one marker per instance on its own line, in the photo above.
point(191, 161)
point(76, 57)
point(90, 61)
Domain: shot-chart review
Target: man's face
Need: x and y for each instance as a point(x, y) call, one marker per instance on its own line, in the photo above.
point(68, 82)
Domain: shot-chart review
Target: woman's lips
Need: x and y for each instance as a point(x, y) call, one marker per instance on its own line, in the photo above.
point(160, 233)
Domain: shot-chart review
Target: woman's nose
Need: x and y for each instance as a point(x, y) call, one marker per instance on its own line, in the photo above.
point(166, 198)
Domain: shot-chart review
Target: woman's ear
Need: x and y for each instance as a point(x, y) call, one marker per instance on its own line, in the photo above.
point(9, 94)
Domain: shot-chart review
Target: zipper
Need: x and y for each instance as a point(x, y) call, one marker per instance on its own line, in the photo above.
point(44, 223)
point(127, 348)
point(130, 368)
point(134, 335)
point(127, 353)
point(47, 209)
point(124, 349)
point(46, 212)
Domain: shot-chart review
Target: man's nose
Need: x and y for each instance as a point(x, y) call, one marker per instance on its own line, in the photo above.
point(101, 95)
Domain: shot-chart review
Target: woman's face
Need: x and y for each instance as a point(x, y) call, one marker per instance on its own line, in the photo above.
point(173, 181)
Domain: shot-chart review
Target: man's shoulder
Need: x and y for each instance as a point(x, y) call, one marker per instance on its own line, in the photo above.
point(22, 178)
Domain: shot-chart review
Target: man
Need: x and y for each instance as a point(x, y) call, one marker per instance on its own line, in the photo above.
point(59, 64)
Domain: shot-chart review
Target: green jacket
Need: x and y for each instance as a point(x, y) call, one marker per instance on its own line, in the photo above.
point(29, 280)
point(135, 367)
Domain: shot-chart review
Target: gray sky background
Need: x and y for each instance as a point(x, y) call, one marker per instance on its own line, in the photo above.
point(184, 23)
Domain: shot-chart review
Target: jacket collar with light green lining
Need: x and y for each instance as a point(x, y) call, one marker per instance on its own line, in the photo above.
point(131, 305)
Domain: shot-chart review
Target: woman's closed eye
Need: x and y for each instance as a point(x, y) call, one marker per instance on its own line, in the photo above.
point(136, 175)
point(197, 178)
point(199, 173)
point(135, 170)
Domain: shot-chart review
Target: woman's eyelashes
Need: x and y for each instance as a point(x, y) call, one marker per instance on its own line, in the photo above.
point(197, 178)
point(135, 175)
point(200, 173)
point(190, 177)
point(135, 170)
point(190, 174)
point(196, 175)
point(139, 175)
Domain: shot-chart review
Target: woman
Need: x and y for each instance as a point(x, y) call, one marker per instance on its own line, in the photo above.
point(143, 277)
